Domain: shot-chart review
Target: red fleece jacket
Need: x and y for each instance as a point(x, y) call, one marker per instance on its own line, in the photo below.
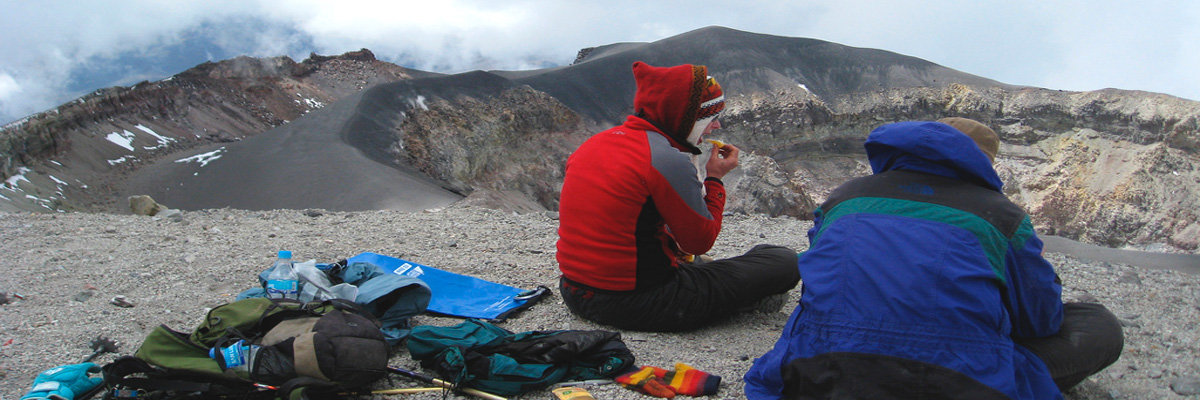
point(631, 201)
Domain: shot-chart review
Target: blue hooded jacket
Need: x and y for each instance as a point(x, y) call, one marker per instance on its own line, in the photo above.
point(922, 272)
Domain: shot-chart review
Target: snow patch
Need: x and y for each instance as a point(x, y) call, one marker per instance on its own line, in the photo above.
point(121, 160)
point(311, 103)
point(204, 158)
point(125, 139)
point(12, 181)
point(14, 124)
point(804, 87)
point(44, 203)
point(122, 139)
point(419, 102)
point(163, 141)
point(60, 182)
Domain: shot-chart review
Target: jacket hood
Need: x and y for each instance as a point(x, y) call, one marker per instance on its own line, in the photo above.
point(674, 98)
point(930, 147)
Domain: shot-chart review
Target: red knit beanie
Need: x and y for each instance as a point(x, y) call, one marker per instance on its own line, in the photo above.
point(674, 98)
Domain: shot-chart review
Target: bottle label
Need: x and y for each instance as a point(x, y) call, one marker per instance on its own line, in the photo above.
point(285, 287)
point(233, 355)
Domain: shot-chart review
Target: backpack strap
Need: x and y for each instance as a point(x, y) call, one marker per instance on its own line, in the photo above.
point(119, 377)
point(306, 388)
point(295, 309)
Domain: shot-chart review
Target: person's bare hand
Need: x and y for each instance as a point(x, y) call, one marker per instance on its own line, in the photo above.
point(721, 160)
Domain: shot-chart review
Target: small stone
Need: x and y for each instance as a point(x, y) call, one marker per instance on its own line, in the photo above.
point(1186, 385)
point(110, 229)
point(313, 213)
point(121, 301)
point(144, 205)
point(171, 214)
point(190, 258)
point(1130, 277)
point(83, 296)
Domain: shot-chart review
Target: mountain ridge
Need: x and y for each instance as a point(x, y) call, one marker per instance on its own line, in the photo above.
point(1111, 167)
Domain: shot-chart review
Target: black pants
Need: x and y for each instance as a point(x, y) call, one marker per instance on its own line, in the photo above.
point(1090, 340)
point(698, 294)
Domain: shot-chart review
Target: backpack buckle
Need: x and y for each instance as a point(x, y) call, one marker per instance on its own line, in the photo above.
point(127, 393)
point(530, 294)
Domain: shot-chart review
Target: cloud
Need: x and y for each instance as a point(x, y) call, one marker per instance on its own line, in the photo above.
point(45, 42)
point(1147, 46)
point(9, 88)
point(8, 85)
point(1069, 45)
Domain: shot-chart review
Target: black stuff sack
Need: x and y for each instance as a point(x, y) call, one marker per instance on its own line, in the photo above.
point(483, 356)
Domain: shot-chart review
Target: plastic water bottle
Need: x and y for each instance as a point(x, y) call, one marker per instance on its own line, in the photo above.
point(282, 282)
point(238, 356)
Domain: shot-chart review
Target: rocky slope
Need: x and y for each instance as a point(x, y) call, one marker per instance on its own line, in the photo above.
point(72, 157)
point(1111, 167)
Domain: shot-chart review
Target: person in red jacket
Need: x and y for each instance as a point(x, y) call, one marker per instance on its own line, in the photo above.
point(633, 207)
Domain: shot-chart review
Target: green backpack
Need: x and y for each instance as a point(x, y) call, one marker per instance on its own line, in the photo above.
point(292, 350)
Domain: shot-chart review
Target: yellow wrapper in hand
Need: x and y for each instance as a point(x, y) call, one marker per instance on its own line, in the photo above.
point(716, 142)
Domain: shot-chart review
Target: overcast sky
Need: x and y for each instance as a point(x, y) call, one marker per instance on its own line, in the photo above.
point(56, 50)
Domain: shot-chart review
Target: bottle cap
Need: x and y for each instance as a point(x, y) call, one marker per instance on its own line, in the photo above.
point(285, 254)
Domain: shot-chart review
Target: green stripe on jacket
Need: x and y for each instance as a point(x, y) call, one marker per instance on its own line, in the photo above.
point(995, 245)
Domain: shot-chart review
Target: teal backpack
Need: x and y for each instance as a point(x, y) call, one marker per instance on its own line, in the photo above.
point(293, 350)
point(483, 356)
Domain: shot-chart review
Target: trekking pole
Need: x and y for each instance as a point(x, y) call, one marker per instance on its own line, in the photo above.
point(395, 391)
point(431, 380)
point(408, 390)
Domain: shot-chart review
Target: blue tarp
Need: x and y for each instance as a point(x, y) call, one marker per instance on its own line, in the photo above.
point(459, 295)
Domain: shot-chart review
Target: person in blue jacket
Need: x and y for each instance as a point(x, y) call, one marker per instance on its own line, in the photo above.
point(923, 280)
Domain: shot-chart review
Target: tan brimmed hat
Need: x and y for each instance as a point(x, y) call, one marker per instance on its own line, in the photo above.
point(984, 137)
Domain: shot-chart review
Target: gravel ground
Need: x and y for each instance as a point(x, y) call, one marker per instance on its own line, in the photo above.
point(62, 270)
